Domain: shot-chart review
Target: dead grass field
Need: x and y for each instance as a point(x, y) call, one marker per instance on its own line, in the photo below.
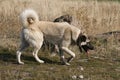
point(93, 17)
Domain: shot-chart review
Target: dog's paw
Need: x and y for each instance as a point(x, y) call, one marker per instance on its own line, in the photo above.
point(69, 59)
point(21, 63)
point(67, 64)
point(41, 61)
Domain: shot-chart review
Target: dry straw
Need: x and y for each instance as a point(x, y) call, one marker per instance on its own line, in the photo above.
point(91, 16)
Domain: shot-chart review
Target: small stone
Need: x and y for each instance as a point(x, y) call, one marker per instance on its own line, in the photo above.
point(83, 60)
point(53, 54)
point(81, 68)
point(74, 77)
point(81, 76)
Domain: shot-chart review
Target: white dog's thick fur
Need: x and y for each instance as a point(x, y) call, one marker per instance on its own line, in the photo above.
point(34, 32)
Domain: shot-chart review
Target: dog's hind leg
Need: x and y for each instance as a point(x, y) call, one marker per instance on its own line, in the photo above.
point(19, 52)
point(35, 54)
point(18, 57)
point(37, 44)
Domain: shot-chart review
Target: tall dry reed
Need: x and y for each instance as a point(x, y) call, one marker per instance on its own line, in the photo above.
point(92, 16)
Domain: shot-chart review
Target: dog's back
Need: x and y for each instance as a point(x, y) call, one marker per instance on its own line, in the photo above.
point(56, 31)
point(53, 32)
point(51, 27)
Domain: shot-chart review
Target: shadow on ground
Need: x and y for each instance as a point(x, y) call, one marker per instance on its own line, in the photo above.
point(10, 57)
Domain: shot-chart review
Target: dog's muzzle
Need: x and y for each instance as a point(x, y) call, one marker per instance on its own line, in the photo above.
point(84, 43)
point(86, 46)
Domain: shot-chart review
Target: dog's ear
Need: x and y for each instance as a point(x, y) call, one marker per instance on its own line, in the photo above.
point(78, 42)
point(81, 41)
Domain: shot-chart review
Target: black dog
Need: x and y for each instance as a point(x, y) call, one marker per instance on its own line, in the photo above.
point(65, 18)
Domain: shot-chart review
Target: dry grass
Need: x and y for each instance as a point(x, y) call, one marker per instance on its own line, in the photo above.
point(91, 16)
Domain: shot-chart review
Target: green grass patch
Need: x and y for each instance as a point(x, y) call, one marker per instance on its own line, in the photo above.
point(94, 69)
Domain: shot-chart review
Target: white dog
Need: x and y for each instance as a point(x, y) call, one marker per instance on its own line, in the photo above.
point(34, 32)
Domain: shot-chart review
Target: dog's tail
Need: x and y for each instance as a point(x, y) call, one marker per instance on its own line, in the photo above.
point(28, 17)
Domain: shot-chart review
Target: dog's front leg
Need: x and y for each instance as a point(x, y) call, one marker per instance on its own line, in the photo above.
point(62, 58)
point(35, 54)
point(70, 53)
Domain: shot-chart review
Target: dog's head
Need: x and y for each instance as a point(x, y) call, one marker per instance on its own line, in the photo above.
point(84, 43)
